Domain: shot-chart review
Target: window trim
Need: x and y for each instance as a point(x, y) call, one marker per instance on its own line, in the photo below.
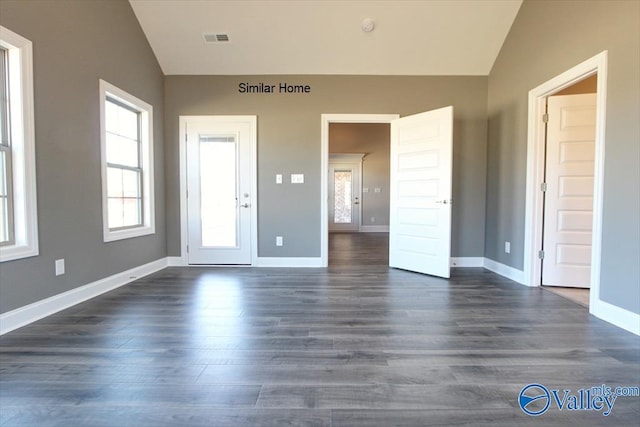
point(23, 159)
point(107, 90)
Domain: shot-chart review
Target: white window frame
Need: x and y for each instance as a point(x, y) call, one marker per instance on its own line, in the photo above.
point(23, 159)
point(107, 90)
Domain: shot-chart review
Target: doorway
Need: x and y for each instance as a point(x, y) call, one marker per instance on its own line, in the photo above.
point(218, 197)
point(536, 169)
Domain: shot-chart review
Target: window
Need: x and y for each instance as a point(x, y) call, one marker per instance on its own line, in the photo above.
point(127, 164)
point(18, 212)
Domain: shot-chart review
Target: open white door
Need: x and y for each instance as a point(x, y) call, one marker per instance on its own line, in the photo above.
point(568, 206)
point(420, 196)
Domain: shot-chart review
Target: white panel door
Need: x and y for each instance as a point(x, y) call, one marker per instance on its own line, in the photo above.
point(420, 196)
point(568, 211)
point(219, 176)
point(344, 197)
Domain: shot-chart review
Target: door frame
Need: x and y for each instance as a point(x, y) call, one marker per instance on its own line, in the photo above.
point(534, 203)
point(325, 120)
point(184, 219)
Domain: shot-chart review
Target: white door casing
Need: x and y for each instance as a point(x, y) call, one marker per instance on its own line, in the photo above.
point(420, 192)
point(220, 153)
point(568, 207)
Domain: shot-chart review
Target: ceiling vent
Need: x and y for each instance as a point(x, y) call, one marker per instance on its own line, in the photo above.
point(216, 38)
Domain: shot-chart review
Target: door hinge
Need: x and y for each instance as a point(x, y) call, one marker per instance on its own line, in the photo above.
point(541, 254)
point(543, 187)
point(187, 248)
point(545, 118)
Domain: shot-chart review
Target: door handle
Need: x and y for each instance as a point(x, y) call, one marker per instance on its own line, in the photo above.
point(445, 202)
point(245, 205)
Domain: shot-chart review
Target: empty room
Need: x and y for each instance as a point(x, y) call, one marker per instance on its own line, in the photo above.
point(319, 212)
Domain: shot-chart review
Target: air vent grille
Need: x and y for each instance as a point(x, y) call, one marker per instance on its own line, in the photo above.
point(215, 38)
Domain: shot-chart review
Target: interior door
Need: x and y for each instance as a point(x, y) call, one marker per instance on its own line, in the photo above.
point(344, 197)
point(568, 206)
point(420, 195)
point(219, 186)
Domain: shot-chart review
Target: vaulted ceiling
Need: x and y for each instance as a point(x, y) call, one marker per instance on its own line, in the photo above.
point(417, 37)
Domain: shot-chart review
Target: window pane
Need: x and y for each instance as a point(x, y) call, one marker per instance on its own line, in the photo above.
point(342, 197)
point(131, 212)
point(115, 213)
point(4, 199)
point(121, 120)
point(114, 182)
point(122, 151)
point(218, 177)
point(131, 183)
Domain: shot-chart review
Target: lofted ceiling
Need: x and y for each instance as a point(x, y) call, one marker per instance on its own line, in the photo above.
point(410, 37)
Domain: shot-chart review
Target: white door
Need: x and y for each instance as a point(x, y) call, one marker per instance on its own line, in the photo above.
point(420, 195)
point(344, 197)
point(220, 152)
point(568, 206)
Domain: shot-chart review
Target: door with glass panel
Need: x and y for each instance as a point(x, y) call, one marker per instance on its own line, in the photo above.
point(344, 196)
point(220, 159)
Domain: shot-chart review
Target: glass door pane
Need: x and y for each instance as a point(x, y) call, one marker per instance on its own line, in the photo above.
point(218, 191)
point(342, 197)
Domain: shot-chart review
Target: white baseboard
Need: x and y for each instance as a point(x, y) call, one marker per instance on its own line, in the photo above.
point(176, 261)
point(374, 228)
point(289, 262)
point(30, 313)
point(504, 270)
point(467, 262)
point(617, 316)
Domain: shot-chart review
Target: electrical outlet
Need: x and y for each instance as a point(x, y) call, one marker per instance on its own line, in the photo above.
point(59, 267)
point(279, 241)
point(507, 247)
point(279, 178)
point(373, 219)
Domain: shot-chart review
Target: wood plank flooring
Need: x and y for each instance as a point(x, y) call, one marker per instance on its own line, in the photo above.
point(351, 345)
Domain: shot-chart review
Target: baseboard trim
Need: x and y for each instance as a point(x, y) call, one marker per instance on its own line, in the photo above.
point(305, 262)
point(617, 316)
point(504, 270)
point(460, 262)
point(374, 228)
point(30, 313)
point(176, 261)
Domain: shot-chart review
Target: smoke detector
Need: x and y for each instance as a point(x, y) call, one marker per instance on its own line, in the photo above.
point(367, 25)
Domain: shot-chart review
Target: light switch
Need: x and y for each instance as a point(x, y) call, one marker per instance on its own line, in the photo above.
point(279, 178)
point(377, 190)
point(297, 178)
point(59, 267)
point(365, 190)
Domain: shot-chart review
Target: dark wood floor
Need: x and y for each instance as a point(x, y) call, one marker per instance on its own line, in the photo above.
point(351, 345)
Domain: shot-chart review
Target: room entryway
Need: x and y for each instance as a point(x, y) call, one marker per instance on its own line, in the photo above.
point(358, 249)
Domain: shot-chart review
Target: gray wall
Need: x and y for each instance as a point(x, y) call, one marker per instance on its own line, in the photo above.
point(542, 43)
point(372, 139)
point(289, 142)
point(75, 43)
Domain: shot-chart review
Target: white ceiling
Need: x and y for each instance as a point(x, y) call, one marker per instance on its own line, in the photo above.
point(419, 37)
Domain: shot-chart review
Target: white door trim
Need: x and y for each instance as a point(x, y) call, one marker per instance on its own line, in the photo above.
point(326, 119)
point(183, 183)
point(535, 169)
